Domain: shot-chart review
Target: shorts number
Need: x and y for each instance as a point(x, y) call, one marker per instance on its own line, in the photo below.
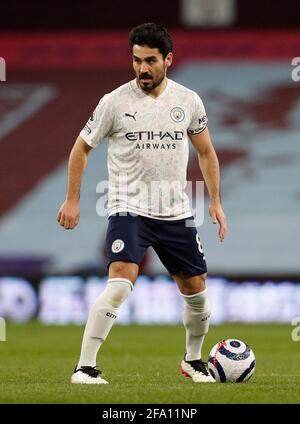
point(200, 248)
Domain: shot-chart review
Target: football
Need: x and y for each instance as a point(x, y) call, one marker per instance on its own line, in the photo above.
point(231, 361)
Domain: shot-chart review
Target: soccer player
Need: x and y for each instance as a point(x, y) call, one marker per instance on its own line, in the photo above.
point(149, 123)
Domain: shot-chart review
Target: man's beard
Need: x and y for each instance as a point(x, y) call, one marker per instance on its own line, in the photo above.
point(149, 86)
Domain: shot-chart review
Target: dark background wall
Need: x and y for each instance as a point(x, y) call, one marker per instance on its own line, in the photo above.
point(92, 14)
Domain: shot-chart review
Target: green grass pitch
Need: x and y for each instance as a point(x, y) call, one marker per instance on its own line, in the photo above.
point(141, 364)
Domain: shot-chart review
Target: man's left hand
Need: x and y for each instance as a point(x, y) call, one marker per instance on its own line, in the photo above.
point(218, 216)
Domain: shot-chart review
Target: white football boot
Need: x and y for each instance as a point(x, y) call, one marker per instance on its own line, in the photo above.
point(196, 370)
point(87, 375)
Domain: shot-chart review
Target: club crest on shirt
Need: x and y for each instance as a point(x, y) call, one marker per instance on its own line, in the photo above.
point(177, 114)
point(117, 246)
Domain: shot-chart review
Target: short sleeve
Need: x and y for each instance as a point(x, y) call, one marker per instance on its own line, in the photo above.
point(198, 118)
point(99, 124)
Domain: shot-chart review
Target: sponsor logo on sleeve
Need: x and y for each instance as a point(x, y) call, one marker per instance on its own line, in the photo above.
point(202, 125)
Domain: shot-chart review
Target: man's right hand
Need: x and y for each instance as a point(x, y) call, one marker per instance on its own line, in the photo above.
point(68, 214)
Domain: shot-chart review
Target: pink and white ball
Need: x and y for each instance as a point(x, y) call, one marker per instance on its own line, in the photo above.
point(231, 361)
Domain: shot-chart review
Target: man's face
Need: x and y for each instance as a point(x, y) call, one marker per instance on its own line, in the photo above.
point(149, 66)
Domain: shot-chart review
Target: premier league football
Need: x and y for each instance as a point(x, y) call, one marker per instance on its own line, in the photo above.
point(231, 361)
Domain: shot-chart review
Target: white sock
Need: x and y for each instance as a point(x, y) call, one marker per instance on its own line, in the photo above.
point(196, 315)
point(101, 318)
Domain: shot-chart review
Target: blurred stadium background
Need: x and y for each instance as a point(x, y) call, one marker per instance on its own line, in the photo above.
point(61, 57)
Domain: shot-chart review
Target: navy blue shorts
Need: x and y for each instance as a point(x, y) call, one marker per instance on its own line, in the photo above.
point(177, 246)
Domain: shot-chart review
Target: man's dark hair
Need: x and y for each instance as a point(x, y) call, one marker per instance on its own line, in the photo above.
point(152, 35)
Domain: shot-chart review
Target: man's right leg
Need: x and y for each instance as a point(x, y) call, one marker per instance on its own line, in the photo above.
point(122, 276)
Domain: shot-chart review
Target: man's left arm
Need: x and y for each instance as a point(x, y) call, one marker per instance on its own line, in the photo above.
point(209, 165)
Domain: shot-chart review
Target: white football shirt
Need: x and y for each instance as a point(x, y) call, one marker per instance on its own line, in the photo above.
point(147, 147)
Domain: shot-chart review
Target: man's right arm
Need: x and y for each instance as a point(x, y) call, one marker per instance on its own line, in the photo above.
point(69, 212)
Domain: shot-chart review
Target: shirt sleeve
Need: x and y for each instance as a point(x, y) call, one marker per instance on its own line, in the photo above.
point(99, 124)
point(198, 119)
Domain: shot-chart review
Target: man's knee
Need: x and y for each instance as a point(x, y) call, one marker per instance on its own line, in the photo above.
point(191, 285)
point(199, 282)
point(126, 270)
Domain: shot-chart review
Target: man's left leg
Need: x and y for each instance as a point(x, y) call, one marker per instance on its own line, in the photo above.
point(179, 249)
point(196, 316)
